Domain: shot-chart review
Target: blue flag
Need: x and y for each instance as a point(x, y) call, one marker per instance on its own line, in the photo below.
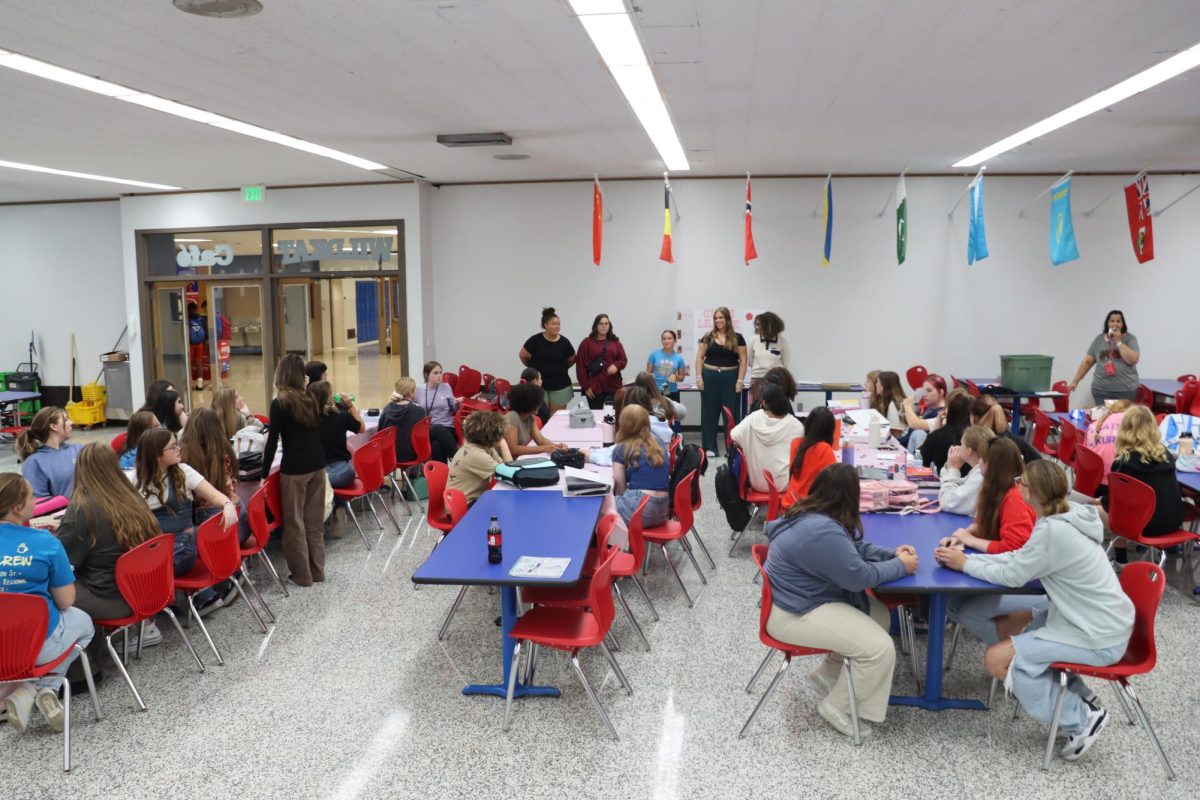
point(1062, 232)
point(976, 235)
point(827, 203)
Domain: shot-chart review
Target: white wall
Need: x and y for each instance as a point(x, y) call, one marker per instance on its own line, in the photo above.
point(501, 252)
point(60, 273)
point(339, 203)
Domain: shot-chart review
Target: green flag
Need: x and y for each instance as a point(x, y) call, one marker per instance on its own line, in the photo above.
point(901, 221)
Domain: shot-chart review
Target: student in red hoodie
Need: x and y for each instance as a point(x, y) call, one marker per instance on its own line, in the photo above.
point(810, 455)
point(1003, 522)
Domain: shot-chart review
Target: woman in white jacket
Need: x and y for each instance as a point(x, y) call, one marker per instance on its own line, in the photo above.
point(958, 493)
point(1089, 618)
point(765, 437)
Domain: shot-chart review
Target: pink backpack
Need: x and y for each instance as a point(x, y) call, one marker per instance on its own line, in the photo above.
point(895, 495)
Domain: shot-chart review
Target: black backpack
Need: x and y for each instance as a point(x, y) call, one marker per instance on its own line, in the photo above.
point(687, 458)
point(737, 513)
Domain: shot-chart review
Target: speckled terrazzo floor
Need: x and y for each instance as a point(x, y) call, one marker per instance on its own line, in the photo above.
point(352, 696)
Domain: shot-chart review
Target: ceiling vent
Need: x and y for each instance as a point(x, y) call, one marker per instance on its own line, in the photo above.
point(219, 9)
point(474, 139)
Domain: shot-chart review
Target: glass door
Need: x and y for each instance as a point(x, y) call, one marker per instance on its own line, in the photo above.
point(171, 345)
point(235, 338)
point(295, 318)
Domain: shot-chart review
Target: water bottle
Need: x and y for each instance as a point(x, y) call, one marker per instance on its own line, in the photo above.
point(874, 435)
point(493, 542)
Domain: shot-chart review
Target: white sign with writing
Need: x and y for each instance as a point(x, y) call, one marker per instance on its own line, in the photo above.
point(193, 256)
point(298, 251)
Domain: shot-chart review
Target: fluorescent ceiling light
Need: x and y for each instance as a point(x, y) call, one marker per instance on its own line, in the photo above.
point(1147, 79)
point(86, 175)
point(611, 30)
point(80, 81)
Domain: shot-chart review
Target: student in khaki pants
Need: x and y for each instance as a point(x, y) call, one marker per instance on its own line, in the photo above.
point(294, 415)
point(820, 569)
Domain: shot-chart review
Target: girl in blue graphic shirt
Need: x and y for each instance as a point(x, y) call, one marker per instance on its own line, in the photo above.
point(48, 461)
point(667, 366)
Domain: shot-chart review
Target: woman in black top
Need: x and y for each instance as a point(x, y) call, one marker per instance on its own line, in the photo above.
point(720, 371)
point(402, 413)
point(937, 445)
point(294, 415)
point(1141, 454)
point(552, 355)
point(332, 426)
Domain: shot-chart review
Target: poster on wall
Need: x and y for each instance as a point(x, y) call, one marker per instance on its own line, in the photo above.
point(691, 325)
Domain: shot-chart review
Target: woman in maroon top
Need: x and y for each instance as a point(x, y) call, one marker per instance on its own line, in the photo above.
point(599, 362)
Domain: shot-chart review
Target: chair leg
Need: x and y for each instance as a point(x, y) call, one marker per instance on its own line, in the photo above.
point(787, 662)
point(400, 494)
point(637, 581)
point(1120, 693)
point(91, 681)
point(703, 547)
point(610, 639)
point(242, 593)
point(370, 501)
point(66, 704)
point(612, 662)
point(262, 556)
point(953, 647)
point(1062, 694)
point(687, 548)
point(587, 687)
point(204, 629)
point(854, 728)
point(354, 519)
point(112, 651)
point(141, 638)
point(512, 684)
point(632, 619)
point(1141, 713)
point(754, 678)
point(737, 538)
point(531, 663)
point(991, 693)
point(914, 665)
point(671, 564)
point(408, 482)
point(453, 610)
point(257, 595)
point(387, 509)
point(184, 636)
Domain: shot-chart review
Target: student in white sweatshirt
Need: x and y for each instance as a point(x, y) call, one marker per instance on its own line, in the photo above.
point(1089, 618)
point(958, 493)
point(765, 437)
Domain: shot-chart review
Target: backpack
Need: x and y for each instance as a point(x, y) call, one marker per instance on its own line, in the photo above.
point(528, 474)
point(737, 513)
point(687, 458)
point(196, 330)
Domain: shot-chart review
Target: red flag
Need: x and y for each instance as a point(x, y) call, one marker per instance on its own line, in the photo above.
point(751, 253)
point(1141, 229)
point(597, 220)
point(665, 254)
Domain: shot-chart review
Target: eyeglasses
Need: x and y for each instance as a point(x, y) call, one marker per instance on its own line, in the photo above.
point(173, 446)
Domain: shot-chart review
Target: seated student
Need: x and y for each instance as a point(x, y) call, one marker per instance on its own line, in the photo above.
point(523, 401)
point(961, 478)
point(169, 410)
point(1141, 454)
point(106, 519)
point(316, 371)
point(1003, 522)
point(205, 448)
point(810, 455)
point(888, 400)
point(1101, 438)
point(139, 423)
point(636, 396)
point(233, 411)
point(153, 391)
point(782, 377)
point(437, 400)
point(949, 430)
point(641, 469)
point(402, 413)
point(332, 426)
point(820, 568)
point(662, 406)
point(531, 375)
point(766, 437)
point(47, 461)
point(922, 421)
point(1088, 618)
point(987, 411)
point(33, 562)
point(484, 449)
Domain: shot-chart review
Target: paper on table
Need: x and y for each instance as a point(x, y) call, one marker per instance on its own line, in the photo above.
point(589, 475)
point(537, 567)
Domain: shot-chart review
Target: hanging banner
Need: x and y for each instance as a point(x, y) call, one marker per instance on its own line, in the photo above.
point(1141, 228)
point(1062, 230)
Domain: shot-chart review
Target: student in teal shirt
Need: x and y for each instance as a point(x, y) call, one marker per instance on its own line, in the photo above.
point(667, 366)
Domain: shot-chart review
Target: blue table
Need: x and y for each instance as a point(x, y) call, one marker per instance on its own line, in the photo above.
point(923, 531)
point(533, 524)
point(1166, 387)
point(992, 386)
point(15, 399)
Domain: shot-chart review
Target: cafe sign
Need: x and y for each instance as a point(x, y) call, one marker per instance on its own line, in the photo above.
point(365, 248)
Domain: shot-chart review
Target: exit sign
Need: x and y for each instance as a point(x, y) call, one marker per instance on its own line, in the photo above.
point(254, 194)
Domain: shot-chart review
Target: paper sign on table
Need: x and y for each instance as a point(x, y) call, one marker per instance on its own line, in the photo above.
point(537, 567)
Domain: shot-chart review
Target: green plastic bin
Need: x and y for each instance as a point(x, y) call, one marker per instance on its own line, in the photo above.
point(28, 407)
point(1026, 373)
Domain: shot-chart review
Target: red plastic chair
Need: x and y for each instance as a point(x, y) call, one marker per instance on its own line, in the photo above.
point(570, 630)
point(455, 503)
point(1186, 377)
point(118, 442)
point(464, 410)
point(1130, 506)
point(673, 530)
point(470, 382)
point(1191, 397)
point(1089, 470)
point(1144, 397)
point(24, 619)
point(1068, 443)
point(274, 497)
point(1041, 432)
point(256, 512)
point(423, 450)
point(971, 387)
point(916, 376)
point(368, 467)
point(790, 651)
point(262, 419)
point(451, 379)
point(729, 425)
point(387, 455)
point(487, 379)
point(1144, 584)
point(755, 498)
point(1061, 404)
point(146, 580)
point(436, 476)
point(219, 559)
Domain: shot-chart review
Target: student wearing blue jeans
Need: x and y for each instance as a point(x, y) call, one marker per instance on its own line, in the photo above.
point(641, 469)
point(33, 562)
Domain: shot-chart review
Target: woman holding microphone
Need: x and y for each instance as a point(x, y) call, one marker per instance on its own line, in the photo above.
point(1115, 354)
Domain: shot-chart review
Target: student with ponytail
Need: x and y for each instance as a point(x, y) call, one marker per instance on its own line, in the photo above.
point(986, 411)
point(48, 462)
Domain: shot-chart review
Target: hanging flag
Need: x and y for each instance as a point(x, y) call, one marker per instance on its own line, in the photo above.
point(597, 220)
point(901, 221)
point(750, 252)
point(976, 235)
point(1141, 229)
point(1062, 231)
point(827, 203)
point(665, 254)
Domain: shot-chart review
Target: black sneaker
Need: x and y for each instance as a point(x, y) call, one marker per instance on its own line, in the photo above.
point(1079, 743)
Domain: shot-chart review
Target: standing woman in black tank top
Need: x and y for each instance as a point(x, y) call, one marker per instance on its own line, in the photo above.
point(294, 417)
point(720, 372)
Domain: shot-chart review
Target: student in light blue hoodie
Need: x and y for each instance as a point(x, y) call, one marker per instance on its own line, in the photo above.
point(48, 462)
point(139, 423)
point(1089, 617)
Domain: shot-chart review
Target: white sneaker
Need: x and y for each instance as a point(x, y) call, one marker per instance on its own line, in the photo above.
point(820, 683)
point(153, 636)
point(710, 453)
point(18, 705)
point(51, 708)
point(1079, 743)
point(840, 722)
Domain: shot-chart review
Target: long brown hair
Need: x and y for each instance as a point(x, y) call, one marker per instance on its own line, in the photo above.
point(290, 394)
point(633, 431)
point(149, 479)
point(225, 403)
point(102, 491)
point(730, 342)
point(647, 382)
point(888, 392)
point(139, 423)
point(38, 432)
point(14, 492)
point(835, 494)
point(1004, 466)
point(206, 449)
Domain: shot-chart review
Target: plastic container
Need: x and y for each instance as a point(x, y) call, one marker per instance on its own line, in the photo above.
point(94, 393)
point(1026, 373)
point(86, 413)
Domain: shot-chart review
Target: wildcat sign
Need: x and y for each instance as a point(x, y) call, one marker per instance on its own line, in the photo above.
point(298, 251)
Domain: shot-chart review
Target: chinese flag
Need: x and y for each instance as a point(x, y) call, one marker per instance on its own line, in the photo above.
point(665, 254)
point(597, 221)
point(1141, 229)
point(751, 253)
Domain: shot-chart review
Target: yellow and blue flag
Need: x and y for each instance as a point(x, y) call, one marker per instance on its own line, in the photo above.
point(976, 234)
point(828, 205)
point(1062, 231)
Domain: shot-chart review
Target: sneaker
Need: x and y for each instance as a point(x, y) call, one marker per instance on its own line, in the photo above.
point(18, 706)
point(820, 683)
point(211, 606)
point(840, 722)
point(48, 703)
point(153, 636)
point(230, 592)
point(710, 453)
point(1079, 743)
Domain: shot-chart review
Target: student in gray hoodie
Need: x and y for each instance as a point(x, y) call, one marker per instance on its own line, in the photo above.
point(820, 568)
point(1089, 618)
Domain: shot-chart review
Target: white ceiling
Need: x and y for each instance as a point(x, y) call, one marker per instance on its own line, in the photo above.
point(771, 86)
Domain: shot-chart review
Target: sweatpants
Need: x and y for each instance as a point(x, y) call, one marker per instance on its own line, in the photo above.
point(303, 499)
